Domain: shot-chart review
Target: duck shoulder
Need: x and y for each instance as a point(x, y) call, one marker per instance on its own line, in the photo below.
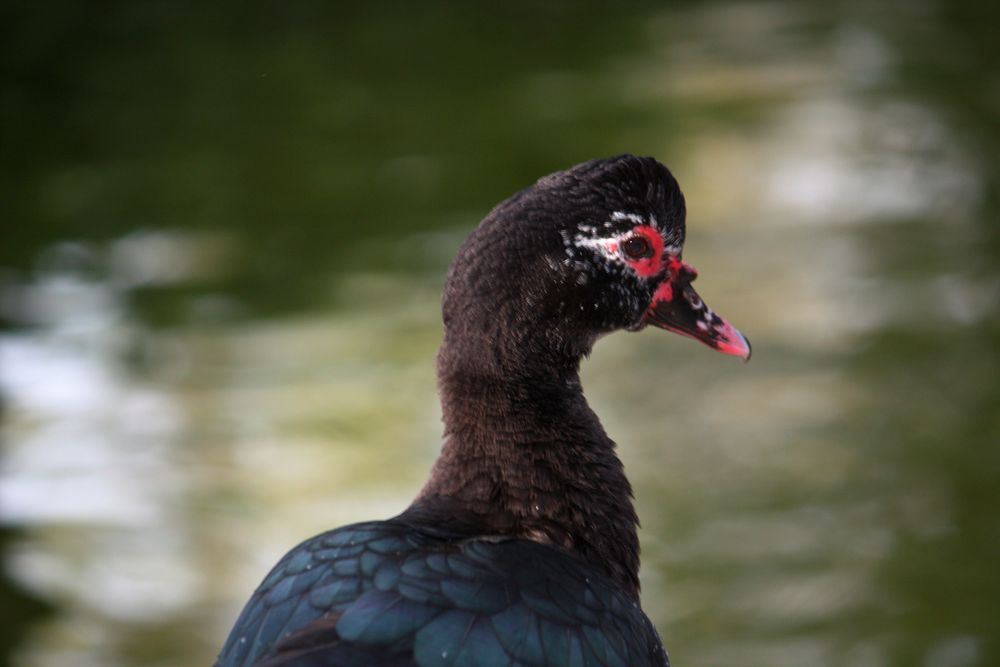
point(395, 593)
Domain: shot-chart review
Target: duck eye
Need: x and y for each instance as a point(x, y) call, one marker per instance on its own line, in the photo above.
point(637, 247)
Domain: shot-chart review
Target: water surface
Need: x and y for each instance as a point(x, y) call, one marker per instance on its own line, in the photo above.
point(225, 235)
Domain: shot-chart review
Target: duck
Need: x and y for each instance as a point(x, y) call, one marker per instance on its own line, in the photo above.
point(522, 548)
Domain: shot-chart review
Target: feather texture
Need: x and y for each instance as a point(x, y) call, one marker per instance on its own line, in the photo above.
point(398, 593)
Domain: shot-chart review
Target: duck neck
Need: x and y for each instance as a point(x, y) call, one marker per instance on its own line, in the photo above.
point(524, 455)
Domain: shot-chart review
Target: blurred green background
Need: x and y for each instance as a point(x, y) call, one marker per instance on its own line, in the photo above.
point(225, 229)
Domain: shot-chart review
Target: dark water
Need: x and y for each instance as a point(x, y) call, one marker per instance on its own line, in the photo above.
point(225, 229)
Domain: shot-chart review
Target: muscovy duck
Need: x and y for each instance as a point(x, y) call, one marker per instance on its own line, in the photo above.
point(521, 549)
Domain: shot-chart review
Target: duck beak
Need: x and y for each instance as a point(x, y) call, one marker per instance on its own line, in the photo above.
point(677, 307)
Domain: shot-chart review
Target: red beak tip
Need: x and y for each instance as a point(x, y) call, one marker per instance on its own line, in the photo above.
point(738, 348)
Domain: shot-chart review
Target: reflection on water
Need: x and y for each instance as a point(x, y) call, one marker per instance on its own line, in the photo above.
point(221, 308)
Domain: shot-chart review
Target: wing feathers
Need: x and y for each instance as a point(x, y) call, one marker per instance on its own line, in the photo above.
point(385, 594)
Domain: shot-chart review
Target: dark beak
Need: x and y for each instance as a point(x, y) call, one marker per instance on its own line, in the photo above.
point(677, 307)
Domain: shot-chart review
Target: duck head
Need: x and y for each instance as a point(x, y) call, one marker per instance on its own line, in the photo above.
point(582, 252)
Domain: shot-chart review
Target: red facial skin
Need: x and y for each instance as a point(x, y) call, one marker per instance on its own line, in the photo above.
point(665, 292)
point(676, 269)
point(647, 267)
